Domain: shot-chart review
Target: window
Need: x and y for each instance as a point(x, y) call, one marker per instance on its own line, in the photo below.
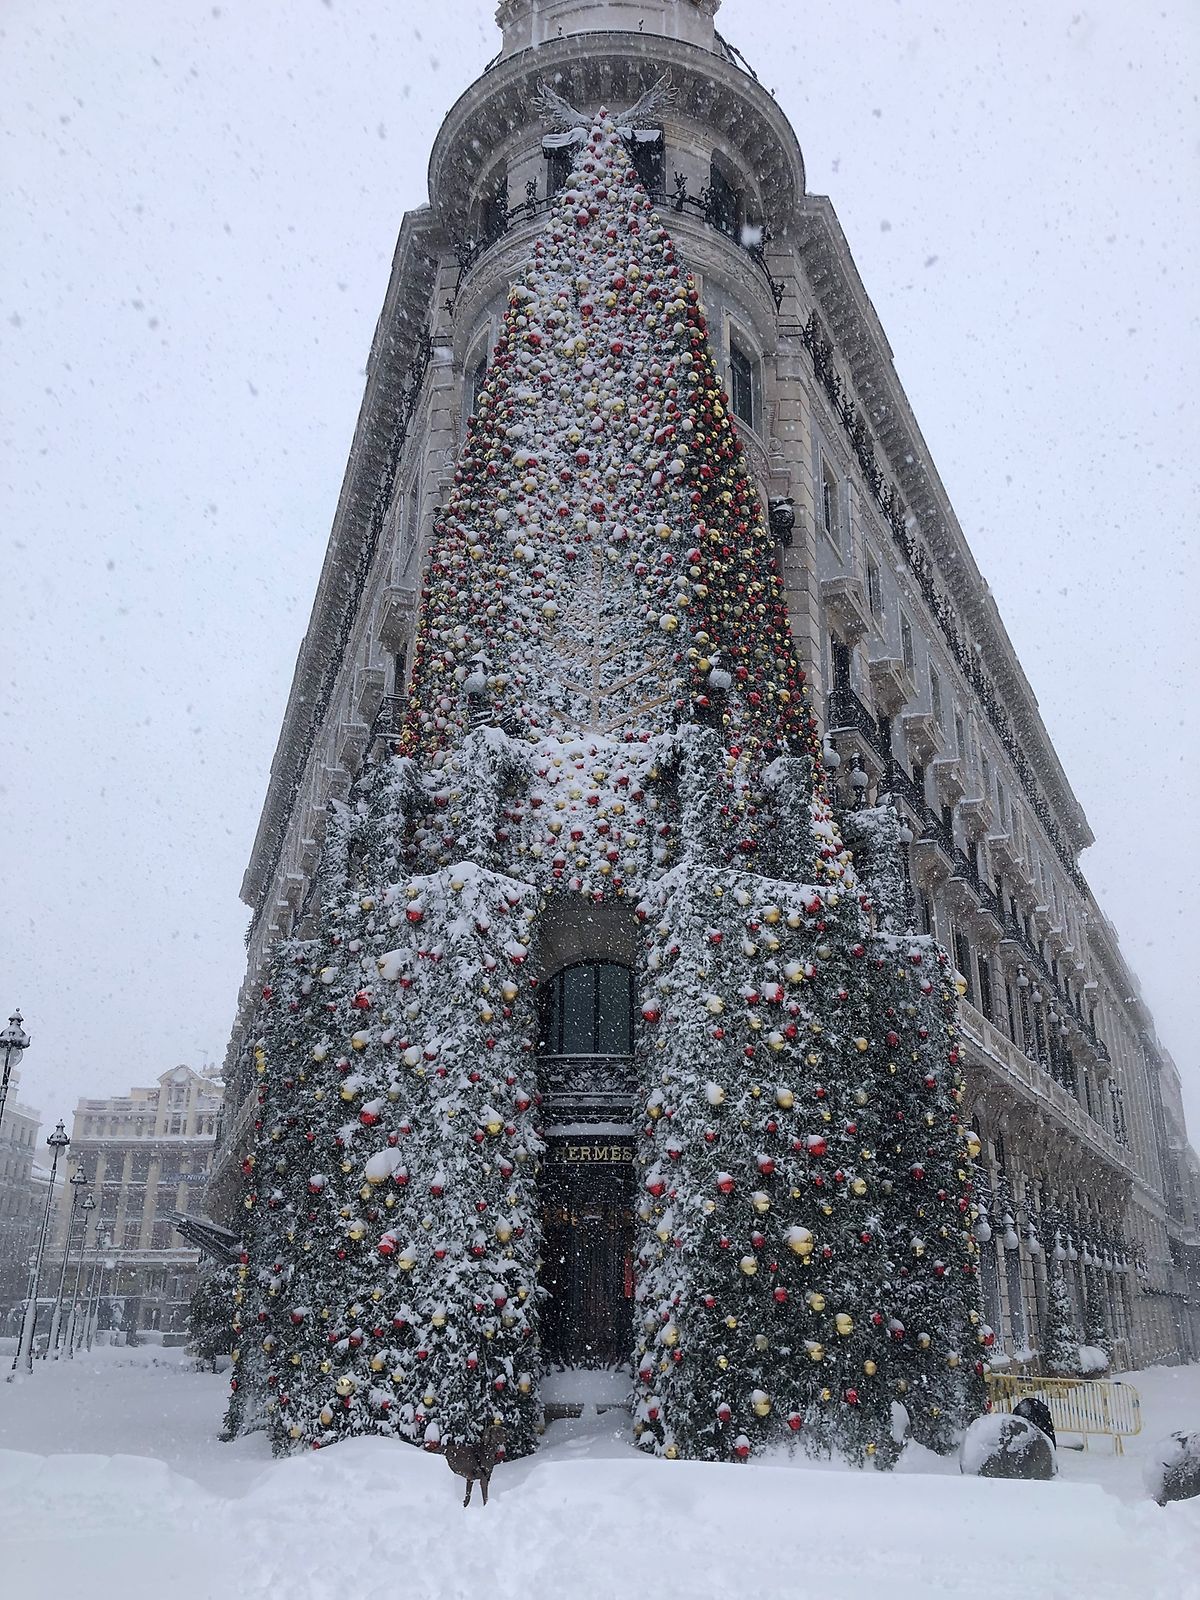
point(560, 159)
point(829, 501)
point(1016, 1302)
point(741, 383)
point(723, 201)
point(478, 379)
point(399, 673)
point(840, 661)
point(906, 645)
point(935, 693)
point(960, 737)
point(645, 150)
point(874, 589)
point(588, 1011)
point(985, 989)
point(962, 960)
point(1001, 806)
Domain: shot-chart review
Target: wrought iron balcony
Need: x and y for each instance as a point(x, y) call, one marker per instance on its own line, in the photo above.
point(936, 832)
point(389, 719)
point(846, 713)
point(707, 207)
point(901, 786)
point(990, 902)
point(966, 869)
point(588, 1083)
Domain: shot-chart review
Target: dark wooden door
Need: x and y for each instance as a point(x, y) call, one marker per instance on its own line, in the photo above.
point(588, 1269)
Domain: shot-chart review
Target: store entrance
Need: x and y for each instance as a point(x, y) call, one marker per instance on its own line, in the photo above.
point(586, 1071)
point(587, 1255)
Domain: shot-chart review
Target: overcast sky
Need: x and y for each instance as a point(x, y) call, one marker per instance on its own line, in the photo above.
point(199, 206)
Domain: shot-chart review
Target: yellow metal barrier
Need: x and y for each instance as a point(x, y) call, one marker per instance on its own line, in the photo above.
point(1077, 1405)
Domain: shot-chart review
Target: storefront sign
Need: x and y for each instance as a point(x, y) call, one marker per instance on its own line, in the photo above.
point(592, 1154)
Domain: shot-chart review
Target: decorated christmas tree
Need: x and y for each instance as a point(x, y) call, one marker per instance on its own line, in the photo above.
point(1096, 1332)
point(1060, 1337)
point(606, 708)
point(927, 1151)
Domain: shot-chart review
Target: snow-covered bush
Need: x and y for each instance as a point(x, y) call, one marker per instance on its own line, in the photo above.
point(1092, 1360)
point(1173, 1468)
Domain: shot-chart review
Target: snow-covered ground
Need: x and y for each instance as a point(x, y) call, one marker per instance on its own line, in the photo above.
point(113, 1485)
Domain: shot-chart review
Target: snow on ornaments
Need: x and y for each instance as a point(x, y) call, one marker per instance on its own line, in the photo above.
point(606, 709)
point(603, 551)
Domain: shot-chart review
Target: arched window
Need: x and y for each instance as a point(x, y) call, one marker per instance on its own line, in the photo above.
point(587, 1010)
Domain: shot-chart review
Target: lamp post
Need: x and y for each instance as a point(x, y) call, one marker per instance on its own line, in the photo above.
point(78, 1181)
point(88, 1206)
point(58, 1142)
point(95, 1283)
point(15, 1041)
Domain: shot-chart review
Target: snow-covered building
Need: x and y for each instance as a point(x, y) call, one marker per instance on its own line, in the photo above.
point(21, 1200)
point(1085, 1152)
point(147, 1157)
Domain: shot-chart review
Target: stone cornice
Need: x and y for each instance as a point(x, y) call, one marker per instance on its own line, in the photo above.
point(860, 340)
point(398, 338)
point(614, 69)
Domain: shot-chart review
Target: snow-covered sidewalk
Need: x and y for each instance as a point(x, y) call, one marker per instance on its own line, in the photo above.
point(111, 1479)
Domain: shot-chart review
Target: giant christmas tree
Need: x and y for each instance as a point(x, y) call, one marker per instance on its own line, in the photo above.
point(606, 707)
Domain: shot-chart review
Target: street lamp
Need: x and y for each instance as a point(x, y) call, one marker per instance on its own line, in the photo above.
point(88, 1206)
point(78, 1181)
point(95, 1283)
point(58, 1142)
point(15, 1041)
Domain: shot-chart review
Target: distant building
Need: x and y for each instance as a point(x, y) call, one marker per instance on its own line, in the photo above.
point(147, 1155)
point(21, 1202)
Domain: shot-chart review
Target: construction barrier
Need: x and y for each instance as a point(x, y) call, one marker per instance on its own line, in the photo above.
point(1077, 1405)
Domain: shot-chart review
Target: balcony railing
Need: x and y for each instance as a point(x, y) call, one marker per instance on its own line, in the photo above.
point(708, 207)
point(999, 1052)
point(847, 714)
point(901, 786)
point(389, 719)
point(936, 832)
point(589, 1082)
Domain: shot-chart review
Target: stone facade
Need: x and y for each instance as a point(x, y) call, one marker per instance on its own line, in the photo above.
point(21, 1201)
point(147, 1155)
point(1076, 1103)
